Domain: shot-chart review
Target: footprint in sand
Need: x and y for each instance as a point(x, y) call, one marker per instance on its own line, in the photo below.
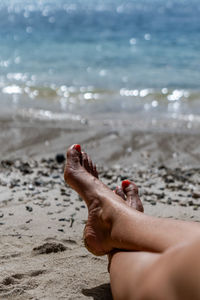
point(17, 284)
point(49, 247)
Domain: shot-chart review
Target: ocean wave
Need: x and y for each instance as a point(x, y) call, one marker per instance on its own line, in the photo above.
point(88, 93)
point(95, 55)
point(88, 98)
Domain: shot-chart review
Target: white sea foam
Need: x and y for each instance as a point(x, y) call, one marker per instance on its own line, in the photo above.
point(12, 89)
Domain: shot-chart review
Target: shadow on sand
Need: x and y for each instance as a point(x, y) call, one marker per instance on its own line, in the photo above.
point(101, 292)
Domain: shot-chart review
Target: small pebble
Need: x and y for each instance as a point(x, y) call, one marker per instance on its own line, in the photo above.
point(169, 201)
point(153, 202)
point(60, 158)
point(28, 221)
point(196, 195)
point(31, 187)
point(29, 208)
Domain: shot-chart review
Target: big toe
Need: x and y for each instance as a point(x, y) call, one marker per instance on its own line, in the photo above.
point(74, 160)
point(130, 189)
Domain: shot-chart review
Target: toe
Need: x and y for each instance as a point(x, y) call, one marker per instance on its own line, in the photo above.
point(130, 189)
point(95, 173)
point(120, 192)
point(74, 156)
point(74, 160)
point(85, 162)
point(88, 165)
point(93, 169)
point(140, 206)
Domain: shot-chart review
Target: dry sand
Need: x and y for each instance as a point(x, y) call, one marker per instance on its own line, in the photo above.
point(41, 219)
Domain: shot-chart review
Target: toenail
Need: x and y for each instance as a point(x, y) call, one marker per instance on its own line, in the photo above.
point(125, 183)
point(77, 147)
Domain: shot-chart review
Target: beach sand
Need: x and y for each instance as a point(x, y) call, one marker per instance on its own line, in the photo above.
point(42, 219)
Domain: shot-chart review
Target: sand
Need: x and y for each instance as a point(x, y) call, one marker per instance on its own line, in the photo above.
point(42, 219)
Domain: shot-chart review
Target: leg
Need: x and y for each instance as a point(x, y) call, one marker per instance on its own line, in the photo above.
point(145, 275)
point(150, 276)
point(127, 268)
point(112, 224)
point(173, 274)
point(128, 271)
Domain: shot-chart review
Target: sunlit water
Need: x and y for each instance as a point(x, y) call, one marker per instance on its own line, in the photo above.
point(101, 56)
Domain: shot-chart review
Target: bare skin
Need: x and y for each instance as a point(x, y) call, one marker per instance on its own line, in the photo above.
point(130, 195)
point(129, 192)
point(116, 224)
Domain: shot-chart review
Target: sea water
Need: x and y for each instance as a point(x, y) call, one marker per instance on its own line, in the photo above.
point(100, 56)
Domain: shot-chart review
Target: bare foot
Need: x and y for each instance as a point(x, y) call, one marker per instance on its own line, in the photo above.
point(104, 206)
point(129, 192)
point(79, 175)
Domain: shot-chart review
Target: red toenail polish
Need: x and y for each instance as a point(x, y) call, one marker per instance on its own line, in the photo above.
point(125, 183)
point(77, 147)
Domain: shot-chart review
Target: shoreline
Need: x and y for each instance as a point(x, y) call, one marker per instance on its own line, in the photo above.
point(134, 138)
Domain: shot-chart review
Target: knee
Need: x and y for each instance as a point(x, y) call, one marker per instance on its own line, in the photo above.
point(186, 271)
point(175, 275)
point(155, 288)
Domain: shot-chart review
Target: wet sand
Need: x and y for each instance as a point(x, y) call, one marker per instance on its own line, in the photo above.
point(41, 219)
